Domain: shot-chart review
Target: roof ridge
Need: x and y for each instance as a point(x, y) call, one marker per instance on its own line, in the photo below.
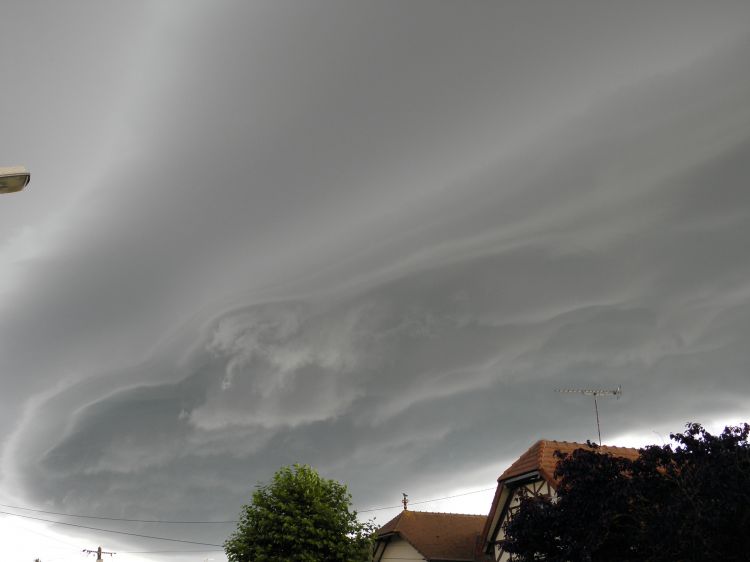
point(540, 457)
point(547, 441)
point(445, 513)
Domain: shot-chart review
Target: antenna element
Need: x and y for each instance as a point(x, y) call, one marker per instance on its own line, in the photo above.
point(595, 392)
point(99, 552)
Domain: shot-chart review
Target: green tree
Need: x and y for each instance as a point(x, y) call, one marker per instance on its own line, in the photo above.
point(687, 503)
point(300, 517)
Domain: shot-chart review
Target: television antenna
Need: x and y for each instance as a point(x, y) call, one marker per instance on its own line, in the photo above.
point(595, 392)
point(99, 553)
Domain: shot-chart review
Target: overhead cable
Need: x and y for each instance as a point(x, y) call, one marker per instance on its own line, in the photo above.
point(114, 518)
point(425, 501)
point(109, 530)
point(182, 522)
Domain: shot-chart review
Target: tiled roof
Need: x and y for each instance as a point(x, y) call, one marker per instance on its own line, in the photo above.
point(541, 457)
point(438, 536)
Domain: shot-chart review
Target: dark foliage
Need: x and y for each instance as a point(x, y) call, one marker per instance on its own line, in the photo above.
point(683, 503)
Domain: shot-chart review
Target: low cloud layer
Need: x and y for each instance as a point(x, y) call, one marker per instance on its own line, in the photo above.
point(376, 241)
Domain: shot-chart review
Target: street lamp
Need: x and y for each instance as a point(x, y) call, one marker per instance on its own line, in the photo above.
point(13, 179)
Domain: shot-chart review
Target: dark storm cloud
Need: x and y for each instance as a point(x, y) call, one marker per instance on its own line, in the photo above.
point(375, 240)
point(388, 380)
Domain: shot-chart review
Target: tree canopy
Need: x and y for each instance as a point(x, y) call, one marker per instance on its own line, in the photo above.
point(300, 516)
point(688, 502)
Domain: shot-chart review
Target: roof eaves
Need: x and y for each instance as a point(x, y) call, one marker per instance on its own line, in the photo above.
point(521, 477)
point(493, 519)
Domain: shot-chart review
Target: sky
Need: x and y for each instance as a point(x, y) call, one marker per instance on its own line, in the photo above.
point(371, 236)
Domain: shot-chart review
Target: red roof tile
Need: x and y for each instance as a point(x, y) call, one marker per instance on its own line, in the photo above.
point(438, 536)
point(541, 457)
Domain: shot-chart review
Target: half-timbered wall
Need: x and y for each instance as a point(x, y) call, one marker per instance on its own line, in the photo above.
point(535, 488)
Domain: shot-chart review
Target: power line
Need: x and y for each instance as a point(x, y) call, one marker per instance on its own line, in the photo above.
point(50, 537)
point(425, 501)
point(166, 551)
point(109, 530)
point(115, 518)
point(175, 522)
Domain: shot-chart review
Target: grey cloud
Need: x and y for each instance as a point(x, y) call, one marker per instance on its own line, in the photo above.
point(375, 240)
point(395, 371)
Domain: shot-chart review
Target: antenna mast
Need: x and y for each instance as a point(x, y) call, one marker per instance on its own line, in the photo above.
point(595, 392)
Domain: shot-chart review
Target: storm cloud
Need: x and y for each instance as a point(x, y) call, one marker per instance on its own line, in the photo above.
point(373, 238)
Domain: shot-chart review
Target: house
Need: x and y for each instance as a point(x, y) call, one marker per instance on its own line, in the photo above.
point(421, 535)
point(534, 471)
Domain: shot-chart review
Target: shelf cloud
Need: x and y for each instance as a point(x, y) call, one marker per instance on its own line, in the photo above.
point(370, 238)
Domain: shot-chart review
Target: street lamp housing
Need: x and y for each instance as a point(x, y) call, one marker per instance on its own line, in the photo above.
point(13, 179)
